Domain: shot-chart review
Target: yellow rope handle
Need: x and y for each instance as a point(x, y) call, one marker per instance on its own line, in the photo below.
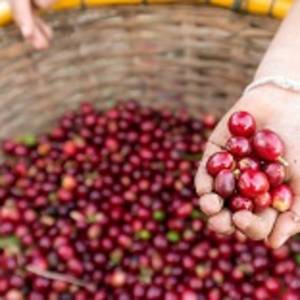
point(275, 8)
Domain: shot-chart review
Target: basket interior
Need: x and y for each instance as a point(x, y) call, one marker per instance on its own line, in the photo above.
point(179, 56)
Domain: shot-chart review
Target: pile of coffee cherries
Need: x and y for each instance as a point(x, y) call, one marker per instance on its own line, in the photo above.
point(250, 174)
point(103, 207)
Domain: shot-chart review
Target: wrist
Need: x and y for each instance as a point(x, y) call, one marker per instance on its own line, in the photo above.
point(282, 57)
point(270, 93)
point(277, 63)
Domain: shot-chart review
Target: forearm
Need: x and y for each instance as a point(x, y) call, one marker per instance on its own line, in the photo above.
point(283, 55)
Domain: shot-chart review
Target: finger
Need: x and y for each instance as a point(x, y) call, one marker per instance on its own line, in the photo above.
point(255, 226)
point(221, 134)
point(203, 181)
point(23, 15)
point(43, 3)
point(211, 204)
point(217, 140)
point(221, 222)
point(287, 225)
point(296, 205)
point(240, 236)
point(39, 40)
point(44, 28)
point(215, 143)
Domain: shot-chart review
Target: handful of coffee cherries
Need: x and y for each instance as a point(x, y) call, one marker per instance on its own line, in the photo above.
point(251, 172)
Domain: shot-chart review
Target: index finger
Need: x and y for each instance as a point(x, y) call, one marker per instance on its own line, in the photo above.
point(23, 15)
point(203, 181)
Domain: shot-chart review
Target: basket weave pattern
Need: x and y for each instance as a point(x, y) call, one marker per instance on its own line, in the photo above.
point(192, 57)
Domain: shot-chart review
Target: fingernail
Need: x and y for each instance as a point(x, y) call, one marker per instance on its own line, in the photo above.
point(242, 221)
point(295, 217)
point(216, 202)
point(26, 31)
point(278, 243)
point(221, 223)
point(210, 203)
point(212, 226)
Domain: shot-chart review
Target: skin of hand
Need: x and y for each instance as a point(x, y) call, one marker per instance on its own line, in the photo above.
point(273, 108)
point(33, 28)
point(278, 110)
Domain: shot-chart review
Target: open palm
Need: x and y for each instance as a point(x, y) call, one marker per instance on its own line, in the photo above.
point(279, 112)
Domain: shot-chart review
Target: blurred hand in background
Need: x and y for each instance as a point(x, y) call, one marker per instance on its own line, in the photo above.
point(33, 28)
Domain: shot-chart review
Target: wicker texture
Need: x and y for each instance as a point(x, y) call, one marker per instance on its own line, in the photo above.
point(193, 57)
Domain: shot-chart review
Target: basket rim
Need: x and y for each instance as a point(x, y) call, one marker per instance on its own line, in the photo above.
point(275, 8)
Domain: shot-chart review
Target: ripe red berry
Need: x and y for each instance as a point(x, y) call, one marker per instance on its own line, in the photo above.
point(184, 210)
point(65, 252)
point(253, 183)
point(248, 163)
point(9, 146)
point(263, 201)
point(268, 145)
point(189, 295)
point(70, 148)
point(112, 144)
point(75, 267)
point(64, 195)
point(224, 183)
point(273, 285)
point(209, 121)
point(219, 161)
point(276, 173)
point(106, 202)
point(238, 146)
point(290, 295)
point(240, 203)
point(68, 182)
point(282, 198)
point(117, 279)
point(261, 294)
point(241, 123)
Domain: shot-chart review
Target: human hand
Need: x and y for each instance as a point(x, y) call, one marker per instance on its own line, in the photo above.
point(278, 110)
point(33, 28)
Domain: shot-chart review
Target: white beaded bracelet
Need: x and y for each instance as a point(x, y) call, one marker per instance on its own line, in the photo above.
point(279, 81)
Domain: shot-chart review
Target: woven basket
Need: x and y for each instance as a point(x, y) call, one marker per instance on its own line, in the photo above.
point(188, 56)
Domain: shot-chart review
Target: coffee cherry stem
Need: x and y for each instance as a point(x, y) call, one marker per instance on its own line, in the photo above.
point(283, 161)
point(61, 277)
point(236, 173)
